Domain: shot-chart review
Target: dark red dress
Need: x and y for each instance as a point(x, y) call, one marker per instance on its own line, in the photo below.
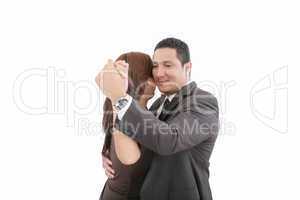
point(128, 180)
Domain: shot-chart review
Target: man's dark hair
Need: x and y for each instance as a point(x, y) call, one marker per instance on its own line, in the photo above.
point(182, 49)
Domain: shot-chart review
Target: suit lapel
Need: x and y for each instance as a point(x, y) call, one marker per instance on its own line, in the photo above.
point(170, 109)
point(156, 104)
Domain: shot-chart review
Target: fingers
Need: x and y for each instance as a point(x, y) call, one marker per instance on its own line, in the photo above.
point(109, 66)
point(97, 80)
point(110, 61)
point(120, 64)
point(109, 175)
point(151, 82)
point(109, 172)
point(106, 160)
point(122, 68)
point(107, 165)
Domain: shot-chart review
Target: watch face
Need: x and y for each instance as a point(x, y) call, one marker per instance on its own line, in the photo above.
point(121, 103)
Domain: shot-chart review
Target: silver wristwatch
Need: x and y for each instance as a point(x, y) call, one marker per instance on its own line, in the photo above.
point(121, 103)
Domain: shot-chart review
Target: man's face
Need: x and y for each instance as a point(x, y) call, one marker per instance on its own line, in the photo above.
point(168, 72)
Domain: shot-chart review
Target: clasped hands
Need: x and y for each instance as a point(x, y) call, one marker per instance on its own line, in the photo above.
point(113, 79)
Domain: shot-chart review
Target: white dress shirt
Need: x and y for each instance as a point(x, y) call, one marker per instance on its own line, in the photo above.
point(122, 112)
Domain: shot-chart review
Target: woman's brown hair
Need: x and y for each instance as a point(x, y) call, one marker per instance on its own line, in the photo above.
point(139, 71)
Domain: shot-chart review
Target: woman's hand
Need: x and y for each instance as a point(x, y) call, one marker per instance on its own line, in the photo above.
point(113, 79)
point(148, 91)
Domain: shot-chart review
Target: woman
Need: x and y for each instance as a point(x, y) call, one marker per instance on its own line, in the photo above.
point(129, 159)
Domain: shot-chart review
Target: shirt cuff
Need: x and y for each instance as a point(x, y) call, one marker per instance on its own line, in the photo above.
point(123, 111)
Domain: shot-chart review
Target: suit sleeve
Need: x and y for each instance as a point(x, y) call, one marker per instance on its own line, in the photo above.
point(191, 126)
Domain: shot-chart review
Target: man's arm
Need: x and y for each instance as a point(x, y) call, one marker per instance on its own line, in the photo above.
point(193, 125)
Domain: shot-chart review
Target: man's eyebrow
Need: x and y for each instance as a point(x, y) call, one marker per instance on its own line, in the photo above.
point(165, 61)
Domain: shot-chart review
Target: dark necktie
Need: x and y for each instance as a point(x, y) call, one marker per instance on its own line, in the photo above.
point(164, 112)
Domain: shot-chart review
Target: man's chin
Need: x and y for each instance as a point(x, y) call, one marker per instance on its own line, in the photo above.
point(165, 89)
point(162, 88)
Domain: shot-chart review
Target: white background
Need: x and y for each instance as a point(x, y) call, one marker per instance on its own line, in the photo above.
point(238, 45)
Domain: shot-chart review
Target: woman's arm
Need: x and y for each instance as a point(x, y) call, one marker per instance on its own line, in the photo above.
point(127, 150)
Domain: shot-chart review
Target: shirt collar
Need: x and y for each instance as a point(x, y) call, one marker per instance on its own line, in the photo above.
point(170, 97)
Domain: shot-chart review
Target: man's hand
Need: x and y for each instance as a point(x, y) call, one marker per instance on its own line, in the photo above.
point(107, 166)
point(113, 79)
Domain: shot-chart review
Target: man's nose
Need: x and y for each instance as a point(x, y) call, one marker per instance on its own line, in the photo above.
point(160, 71)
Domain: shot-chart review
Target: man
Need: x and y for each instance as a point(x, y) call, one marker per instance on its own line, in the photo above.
point(182, 131)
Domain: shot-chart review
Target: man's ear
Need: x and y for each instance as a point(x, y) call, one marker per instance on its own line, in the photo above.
point(188, 69)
